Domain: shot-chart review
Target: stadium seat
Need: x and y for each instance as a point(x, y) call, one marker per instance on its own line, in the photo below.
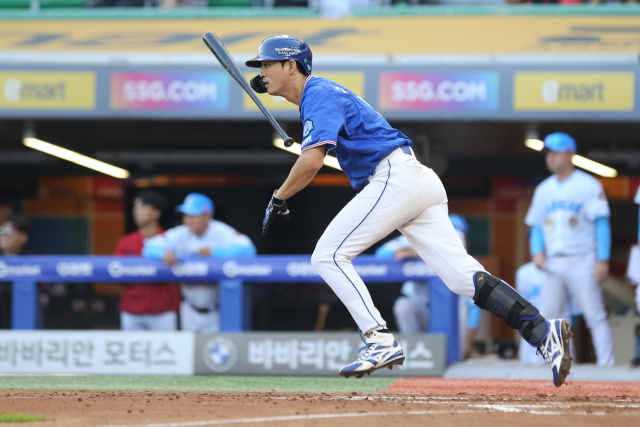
point(15, 4)
point(44, 4)
point(230, 3)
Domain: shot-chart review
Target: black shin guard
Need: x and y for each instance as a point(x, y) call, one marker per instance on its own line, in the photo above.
point(494, 295)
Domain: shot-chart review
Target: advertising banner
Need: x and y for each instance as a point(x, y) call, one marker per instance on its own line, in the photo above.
point(352, 81)
point(97, 352)
point(438, 91)
point(485, 32)
point(44, 90)
point(314, 353)
point(170, 91)
point(574, 91)
point(264, 268)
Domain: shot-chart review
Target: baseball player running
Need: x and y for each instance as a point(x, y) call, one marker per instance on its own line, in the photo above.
point(395, 192)
point(571, 241)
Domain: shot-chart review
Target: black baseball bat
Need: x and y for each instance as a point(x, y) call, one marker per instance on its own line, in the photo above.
point(220, 52)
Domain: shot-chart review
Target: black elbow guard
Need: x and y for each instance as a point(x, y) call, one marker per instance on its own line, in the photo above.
point(257, 85)
point(494, 295)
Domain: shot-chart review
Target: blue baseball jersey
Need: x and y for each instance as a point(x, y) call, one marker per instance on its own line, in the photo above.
point(336, 117)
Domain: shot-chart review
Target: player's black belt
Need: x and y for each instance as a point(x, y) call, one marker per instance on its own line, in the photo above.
point(200, 310)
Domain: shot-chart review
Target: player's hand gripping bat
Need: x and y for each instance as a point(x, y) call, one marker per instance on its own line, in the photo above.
point(220, 52)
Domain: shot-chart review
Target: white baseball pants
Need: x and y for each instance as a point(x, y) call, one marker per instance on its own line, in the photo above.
point(412, 317)
point(405, 195)
point(573, 275)
point(167, 321)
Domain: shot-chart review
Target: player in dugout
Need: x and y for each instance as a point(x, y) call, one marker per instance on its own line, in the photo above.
point(571, 241)
point(199, 236)
point(395, 192)
point(14, 235)
point(147, 306)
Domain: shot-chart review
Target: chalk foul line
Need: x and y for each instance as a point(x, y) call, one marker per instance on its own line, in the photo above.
point(336, 415)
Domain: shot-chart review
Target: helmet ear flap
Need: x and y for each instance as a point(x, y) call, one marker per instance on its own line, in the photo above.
point(257, 85)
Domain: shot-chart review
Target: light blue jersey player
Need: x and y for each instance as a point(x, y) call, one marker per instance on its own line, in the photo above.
point(396, 192)
point(199, 236)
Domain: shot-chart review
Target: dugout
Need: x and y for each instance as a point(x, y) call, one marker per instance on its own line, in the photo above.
point(468, 99)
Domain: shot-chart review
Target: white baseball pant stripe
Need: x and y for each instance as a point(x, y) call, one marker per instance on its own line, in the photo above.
point(405, 195)
point(167, 321)
point(573, 275)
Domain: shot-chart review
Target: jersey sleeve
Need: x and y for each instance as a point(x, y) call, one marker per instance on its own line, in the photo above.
point(160, 244)
point(535, 215)
point(322, 118)
point(155, 247)
point(597, 206)
point(231, 244)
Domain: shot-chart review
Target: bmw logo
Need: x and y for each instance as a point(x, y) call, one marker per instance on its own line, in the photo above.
point(219, 354)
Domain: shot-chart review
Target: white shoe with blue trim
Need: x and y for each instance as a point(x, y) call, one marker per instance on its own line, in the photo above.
point(555, 350)
point(381, 350)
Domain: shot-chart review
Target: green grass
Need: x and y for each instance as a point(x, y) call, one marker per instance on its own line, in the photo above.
point(20, 418)
point(198, 383)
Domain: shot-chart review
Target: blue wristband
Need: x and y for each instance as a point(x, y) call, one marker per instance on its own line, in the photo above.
point(536, 240)
point(603, 238)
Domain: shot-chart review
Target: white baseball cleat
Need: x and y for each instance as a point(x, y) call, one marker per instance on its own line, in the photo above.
point(555, 349)
point(381, 350)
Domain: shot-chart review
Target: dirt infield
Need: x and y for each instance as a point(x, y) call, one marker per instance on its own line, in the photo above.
point(409, 402)
point(515, 387)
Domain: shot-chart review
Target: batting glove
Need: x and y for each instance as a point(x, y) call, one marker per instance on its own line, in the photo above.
point(276, 207)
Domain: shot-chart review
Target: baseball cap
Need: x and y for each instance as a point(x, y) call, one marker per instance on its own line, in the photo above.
point(196, 204)
point(560, 142)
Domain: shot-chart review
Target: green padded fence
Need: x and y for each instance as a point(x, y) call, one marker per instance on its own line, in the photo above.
point(74, 9)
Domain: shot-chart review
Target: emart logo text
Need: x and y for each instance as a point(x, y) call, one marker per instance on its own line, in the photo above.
point(553, 92)
point(16, 90)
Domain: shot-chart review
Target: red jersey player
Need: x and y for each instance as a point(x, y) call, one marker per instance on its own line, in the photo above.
point(147, 306)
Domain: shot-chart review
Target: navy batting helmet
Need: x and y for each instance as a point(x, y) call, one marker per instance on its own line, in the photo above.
point(283, 48)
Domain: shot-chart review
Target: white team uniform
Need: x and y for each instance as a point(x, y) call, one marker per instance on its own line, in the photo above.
point(566, 211)
point(199, 311)
point(402, 194)
point(529, 280)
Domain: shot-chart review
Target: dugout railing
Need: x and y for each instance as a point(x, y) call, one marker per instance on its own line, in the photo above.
point(24, 272)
